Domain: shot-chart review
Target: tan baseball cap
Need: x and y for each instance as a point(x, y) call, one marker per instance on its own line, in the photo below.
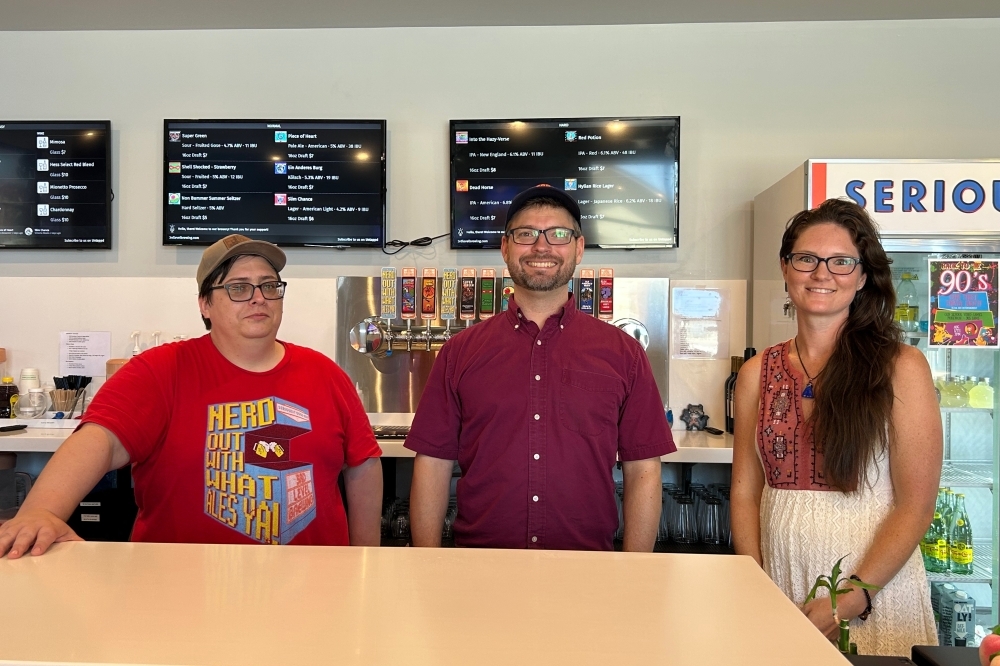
point(236, 245)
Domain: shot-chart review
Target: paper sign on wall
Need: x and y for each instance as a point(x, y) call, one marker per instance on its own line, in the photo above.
point(963, 303)
point(84, 353)
point(699, 323)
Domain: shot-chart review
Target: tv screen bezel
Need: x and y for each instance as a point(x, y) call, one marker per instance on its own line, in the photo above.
point(640, 246)
point(339, 246)
point(108, 194)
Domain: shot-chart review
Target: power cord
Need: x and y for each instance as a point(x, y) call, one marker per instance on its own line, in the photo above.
point(423, 241)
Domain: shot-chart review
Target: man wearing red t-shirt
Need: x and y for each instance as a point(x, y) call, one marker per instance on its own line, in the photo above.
point(536, 404)
point(234, 437)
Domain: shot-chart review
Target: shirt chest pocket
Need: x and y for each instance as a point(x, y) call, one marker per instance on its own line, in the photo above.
point(589, 402)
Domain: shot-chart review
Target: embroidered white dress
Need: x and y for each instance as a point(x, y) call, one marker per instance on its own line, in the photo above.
point(806, 526)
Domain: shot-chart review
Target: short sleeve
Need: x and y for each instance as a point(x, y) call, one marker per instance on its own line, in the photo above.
point(359, 440)
point(136, 402)
point(643, 431)
point(438, 421)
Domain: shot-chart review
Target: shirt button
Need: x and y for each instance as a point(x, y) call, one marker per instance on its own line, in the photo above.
point(518, 315)
point(537, 417)
point(534, 498)
point(536, 456)
point(538, 378)
point(516, 325)
point(534, 539)
point(560, 326)
point(538, 342)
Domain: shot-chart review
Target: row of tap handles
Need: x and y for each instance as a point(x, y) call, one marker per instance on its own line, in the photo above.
point(464, 295)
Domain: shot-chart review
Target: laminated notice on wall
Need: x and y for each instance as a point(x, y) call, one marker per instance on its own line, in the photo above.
point(84, 353)
point(699, 323)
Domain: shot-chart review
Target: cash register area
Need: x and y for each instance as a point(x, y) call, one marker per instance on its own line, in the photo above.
point(335, 141)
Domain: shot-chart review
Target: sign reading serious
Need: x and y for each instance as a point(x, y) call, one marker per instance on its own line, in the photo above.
point(914, 197)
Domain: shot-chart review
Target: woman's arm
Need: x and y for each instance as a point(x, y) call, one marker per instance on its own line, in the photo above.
point(748, 475)
point(915, 453)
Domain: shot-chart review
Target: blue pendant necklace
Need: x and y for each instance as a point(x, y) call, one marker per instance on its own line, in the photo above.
point(807, 392)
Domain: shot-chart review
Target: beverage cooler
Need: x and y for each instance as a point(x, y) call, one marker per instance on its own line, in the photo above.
point(940, 224)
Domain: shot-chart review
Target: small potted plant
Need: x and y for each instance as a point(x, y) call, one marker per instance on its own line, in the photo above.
point(833, 583)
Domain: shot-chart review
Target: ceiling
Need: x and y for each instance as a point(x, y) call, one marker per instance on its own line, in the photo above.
point(206, 14)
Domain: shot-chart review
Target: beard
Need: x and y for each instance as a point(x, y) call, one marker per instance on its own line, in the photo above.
point(521, 278)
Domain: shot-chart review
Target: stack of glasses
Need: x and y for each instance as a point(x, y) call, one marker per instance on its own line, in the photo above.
point(701, 514)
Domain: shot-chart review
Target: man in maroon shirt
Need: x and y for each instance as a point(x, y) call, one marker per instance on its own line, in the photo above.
point(536, 404)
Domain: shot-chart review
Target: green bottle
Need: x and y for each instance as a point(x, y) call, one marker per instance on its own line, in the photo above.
point(934, 545)
point(960, 544)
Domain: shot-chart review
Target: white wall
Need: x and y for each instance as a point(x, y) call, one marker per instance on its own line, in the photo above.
point(755, 101)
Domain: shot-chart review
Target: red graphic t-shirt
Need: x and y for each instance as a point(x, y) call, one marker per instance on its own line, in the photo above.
point(223, 455)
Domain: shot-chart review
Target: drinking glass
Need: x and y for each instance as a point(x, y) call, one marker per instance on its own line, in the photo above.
point(710, 527)
point(685, 530)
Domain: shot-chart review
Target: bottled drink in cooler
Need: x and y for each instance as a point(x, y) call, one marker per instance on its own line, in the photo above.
point(954, 393)
point(981, 395)
point(960, 544)
point(907, 305)
point(934, 546)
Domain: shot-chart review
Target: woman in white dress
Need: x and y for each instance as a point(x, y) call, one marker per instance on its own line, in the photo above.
point(838, 439)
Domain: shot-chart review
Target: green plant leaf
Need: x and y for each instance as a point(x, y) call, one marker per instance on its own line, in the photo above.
point(843, 590)
point(863, 585)
point(820, 582)
point(836, 569)
point(996, 630)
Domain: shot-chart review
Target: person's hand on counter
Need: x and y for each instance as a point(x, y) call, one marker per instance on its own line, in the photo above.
point(85, 456)
point(33, 530)
point(820, 613)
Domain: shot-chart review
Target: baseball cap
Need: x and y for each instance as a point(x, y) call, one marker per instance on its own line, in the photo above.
point(236, 245)
point(547, 191)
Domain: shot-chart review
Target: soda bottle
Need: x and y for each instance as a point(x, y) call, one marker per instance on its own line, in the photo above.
point(981, 395)
point(907, 305)
point(935, 543)
point(960, 545)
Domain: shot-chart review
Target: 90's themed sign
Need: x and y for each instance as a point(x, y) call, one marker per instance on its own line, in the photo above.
point(963, 310)
point(914, 197)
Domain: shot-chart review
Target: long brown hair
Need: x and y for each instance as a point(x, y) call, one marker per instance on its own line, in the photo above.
point(854, 397)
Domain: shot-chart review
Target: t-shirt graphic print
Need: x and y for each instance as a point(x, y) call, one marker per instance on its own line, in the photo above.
point(253, 484)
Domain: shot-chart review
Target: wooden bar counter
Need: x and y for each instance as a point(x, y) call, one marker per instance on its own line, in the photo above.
point(245, 605)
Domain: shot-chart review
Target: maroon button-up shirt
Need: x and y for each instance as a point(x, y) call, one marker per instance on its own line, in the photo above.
point(536, 419)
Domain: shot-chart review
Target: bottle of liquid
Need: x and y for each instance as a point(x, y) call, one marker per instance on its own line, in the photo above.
point(950, 394)
point(981, 395)
point(8, 390)
point(954, 393)
point(947, 511)
point(960, 546)
point(907, 307)
point(735, 364)
point(934, 545)
point(970, 382)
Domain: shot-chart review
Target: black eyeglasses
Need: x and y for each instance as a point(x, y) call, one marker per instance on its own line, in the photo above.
point(241, 292)
point(554, 235)
point(807, 263)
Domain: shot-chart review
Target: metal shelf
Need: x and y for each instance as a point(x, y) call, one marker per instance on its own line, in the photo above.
point(958, 474)
point(966, 410)
point(982, 568)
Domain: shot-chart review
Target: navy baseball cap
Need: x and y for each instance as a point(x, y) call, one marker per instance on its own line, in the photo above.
point(547, 191)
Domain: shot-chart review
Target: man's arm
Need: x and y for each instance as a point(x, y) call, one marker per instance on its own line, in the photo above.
point(429, 499)
point(77, 466)
point(364, 502)
point(643, 502)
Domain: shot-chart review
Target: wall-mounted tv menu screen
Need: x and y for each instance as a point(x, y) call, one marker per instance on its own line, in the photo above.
point(622, 171)
point(294, 183)
point(55, 184)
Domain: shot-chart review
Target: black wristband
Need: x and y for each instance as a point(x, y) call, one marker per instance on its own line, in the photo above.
point(868, 598)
